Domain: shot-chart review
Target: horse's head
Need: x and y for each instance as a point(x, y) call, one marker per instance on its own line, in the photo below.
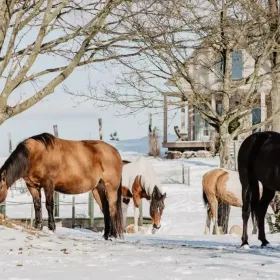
point(156, 207)
point(3, 186)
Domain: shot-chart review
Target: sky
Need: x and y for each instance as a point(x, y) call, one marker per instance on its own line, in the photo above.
point(79, 121)
point(74, 121)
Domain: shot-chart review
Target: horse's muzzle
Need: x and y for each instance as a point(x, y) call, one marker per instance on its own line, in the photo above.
point(155, 228)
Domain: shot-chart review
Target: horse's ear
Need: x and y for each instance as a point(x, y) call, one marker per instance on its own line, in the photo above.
point(163, 197)
point(156, 193)
point(3, 175)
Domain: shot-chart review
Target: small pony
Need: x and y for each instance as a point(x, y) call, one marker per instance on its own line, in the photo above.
point(70, 167)
point(139, 177)
point(221, 185)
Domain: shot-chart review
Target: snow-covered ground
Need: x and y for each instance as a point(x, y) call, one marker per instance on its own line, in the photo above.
point(179, 250)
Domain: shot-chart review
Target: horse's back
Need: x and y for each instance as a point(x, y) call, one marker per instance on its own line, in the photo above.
point(140, 167)
point(69, 162)
point(260, 153)
point(210, 178)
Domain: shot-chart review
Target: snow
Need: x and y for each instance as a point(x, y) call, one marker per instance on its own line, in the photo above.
point(179, 250)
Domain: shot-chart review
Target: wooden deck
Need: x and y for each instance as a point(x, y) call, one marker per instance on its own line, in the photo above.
point(187, 145)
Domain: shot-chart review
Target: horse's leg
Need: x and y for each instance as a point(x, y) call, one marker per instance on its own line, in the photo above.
point(136, 218)
point(97, 198)
point(136, 202)
point(36, 195)
point(246, 209)
point(125, 204)
point(262, 209)
point(216, 229)
point(114, 196)
point(255, 225)
point(49, 192)
point(223, 216)
point(208, 221)
point(101, 199)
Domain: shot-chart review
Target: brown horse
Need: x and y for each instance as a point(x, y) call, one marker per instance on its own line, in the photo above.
point(70, 167)
point(221, 185)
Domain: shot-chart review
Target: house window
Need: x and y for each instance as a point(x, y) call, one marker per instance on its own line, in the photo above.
point(256, 118)
point(236, 65)
point(219, 109)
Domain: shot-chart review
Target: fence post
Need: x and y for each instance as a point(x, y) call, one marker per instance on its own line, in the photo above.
point(3, 208)
point(32, 214)
point(10, 142)
point(141, 213)
point(189, 175)
point(183, 173)
point(100, 128)
point(150, 135)
point(56, 194)
point(73, 211)
point(91, 208)
point(235, 149)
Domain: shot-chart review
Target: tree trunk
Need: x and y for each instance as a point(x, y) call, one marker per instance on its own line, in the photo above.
point(275, 60)
point(225, 162)
point(275, 93)
point(275, 98)
point(225, 159)
point(4, 21)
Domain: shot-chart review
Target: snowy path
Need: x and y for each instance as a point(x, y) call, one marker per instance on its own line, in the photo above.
point(88, 257)
point(179, 250)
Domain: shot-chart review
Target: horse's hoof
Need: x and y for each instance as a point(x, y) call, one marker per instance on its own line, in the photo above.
point(38, 226)
point(245, 247)
point(113, 235)
point(52, 227)
point(266, 245)
point(106, 236)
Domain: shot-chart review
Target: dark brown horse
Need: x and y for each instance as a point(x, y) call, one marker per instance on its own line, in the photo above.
point(70, 167)
point(258, 161)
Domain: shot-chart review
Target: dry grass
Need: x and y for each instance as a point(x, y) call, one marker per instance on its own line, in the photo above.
point(130, 229)
point(17, 225)
point(4, 221)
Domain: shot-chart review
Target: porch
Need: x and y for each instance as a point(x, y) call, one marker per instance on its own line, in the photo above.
point(193, 137)
point(196, 135)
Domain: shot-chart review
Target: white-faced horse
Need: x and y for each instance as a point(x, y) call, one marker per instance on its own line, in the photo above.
point(140, 178)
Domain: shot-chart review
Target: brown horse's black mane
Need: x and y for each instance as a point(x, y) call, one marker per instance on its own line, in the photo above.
point(45, 138)
point(17, 163)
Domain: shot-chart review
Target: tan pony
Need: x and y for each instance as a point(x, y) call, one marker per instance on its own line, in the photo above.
point(221, 185)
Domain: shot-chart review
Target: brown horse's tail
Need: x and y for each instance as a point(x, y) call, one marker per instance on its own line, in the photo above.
point(205, 199)
point(119, 215)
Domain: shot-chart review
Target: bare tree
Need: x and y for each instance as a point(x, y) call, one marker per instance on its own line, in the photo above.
point(42, 42)
point(154, 144)
point(185, 41)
